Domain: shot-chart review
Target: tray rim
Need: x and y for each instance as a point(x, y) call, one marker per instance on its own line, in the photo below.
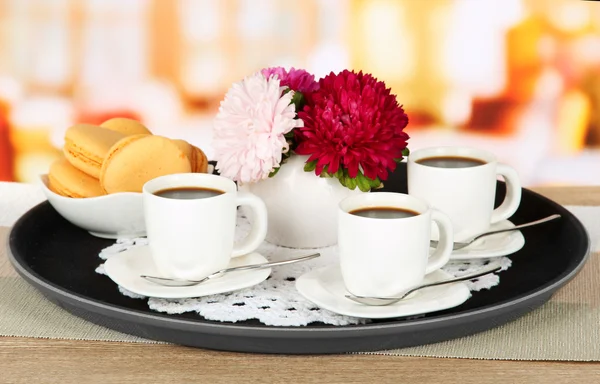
point(262, 330)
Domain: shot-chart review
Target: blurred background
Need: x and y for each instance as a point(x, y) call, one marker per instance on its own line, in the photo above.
point(518, 77)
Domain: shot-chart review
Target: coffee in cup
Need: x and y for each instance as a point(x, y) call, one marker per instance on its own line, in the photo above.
point(188, 193)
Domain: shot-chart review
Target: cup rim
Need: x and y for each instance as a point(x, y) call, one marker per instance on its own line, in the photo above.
point(377, 199)
point(466, 151)
point(180, 180)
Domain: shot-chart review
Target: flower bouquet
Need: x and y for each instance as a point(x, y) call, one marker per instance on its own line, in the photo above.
point(303, 145)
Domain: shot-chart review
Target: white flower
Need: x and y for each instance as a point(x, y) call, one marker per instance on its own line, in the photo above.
point(249, 129)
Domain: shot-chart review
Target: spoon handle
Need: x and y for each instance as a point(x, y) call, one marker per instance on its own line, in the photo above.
point(493, 267)
point(531, 223)
point(265, 265)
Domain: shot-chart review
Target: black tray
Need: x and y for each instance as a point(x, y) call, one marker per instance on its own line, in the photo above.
point(59, 260)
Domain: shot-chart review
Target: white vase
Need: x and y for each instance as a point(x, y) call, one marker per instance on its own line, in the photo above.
point(302, 207)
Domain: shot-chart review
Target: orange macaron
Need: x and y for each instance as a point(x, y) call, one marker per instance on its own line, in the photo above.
point(126, 126)
point(87, 145)
point(195, 155)
point(134, 160)
point(66, 180)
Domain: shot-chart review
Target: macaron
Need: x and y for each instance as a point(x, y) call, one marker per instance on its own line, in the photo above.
point(134, 160)
point(87, 145)
point(126, 126)
point(66, 180)
point(195, 155)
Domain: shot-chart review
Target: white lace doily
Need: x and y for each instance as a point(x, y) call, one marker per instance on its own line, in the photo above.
point(276, 301)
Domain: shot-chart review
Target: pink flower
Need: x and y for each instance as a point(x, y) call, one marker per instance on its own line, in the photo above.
point(296, 79)
point(353, 126)
point(249, 128)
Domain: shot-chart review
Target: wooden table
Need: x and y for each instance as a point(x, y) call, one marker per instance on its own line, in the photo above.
point(29, 360)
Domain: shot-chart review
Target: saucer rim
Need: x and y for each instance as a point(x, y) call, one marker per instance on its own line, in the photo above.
point(514, 246)
point(312, 278)
point(117, 258)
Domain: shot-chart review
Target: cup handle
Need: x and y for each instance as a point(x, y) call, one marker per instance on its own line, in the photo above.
point(259, 224)
point(513, 194)
point(441, 255)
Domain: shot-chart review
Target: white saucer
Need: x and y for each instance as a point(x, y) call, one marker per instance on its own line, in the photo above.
point(501, 244)
point(325, 288)
point(126, 267)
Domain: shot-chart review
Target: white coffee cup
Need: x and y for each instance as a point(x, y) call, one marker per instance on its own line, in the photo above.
point(384, 256)
point(192, 238)
point(466, 194)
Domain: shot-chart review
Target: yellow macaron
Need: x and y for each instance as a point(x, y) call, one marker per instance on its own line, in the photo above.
point(87, 145)
point(134, 160)
point(66, 180)
point(126, 126)
point(195, 155)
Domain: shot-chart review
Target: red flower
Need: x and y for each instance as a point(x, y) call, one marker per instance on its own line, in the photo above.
point(352, 123)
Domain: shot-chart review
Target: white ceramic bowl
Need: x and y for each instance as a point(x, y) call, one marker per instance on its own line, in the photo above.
point(118, 215)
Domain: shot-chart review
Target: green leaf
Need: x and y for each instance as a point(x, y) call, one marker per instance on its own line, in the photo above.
point(325, 172)
point(363, 182)
point(274, 172)
point(298, 100)
point(351, 183)
point(375, 183)
point(310, 166)
point(340, 173)
point(405, 153)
